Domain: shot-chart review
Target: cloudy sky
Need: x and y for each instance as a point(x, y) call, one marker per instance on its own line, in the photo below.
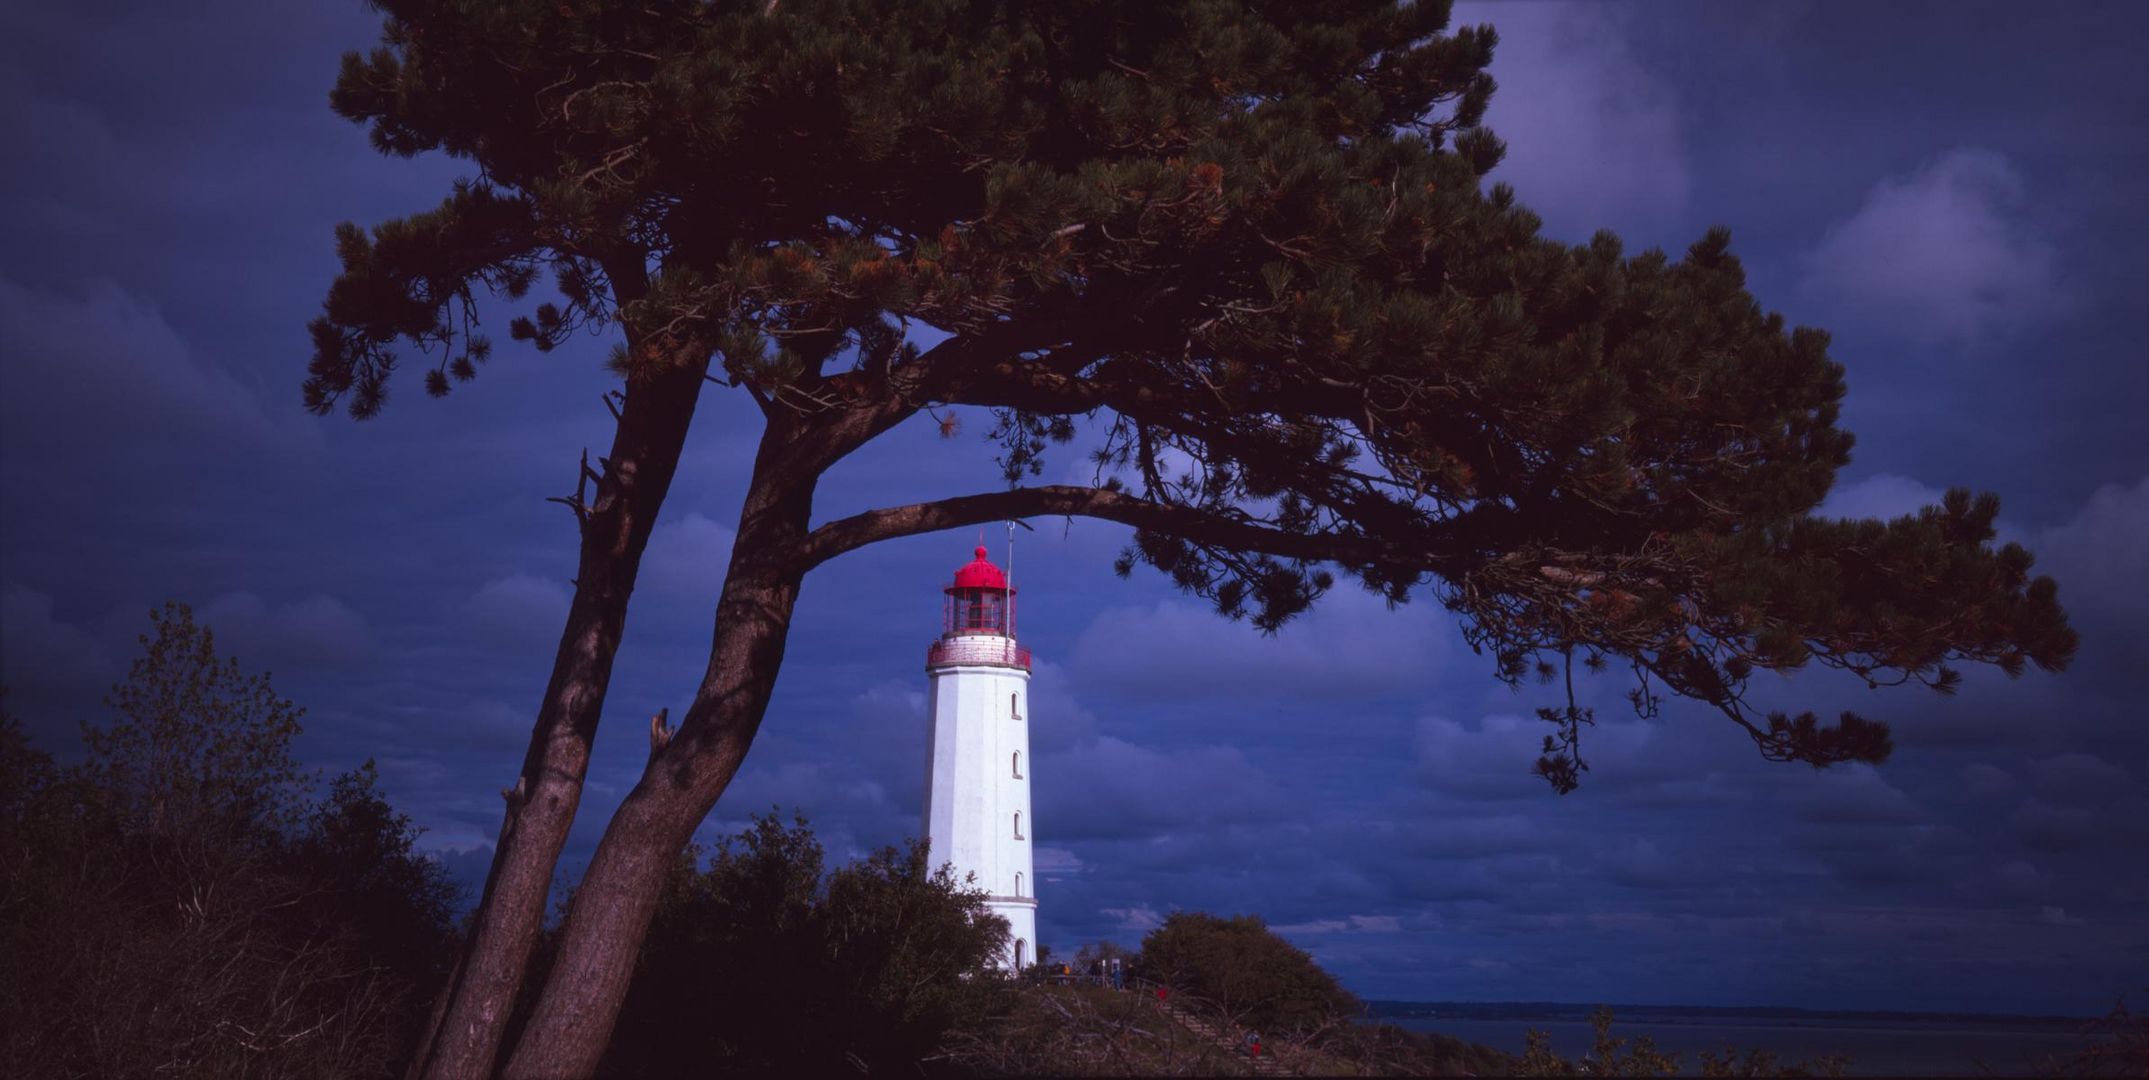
point(1945, 186)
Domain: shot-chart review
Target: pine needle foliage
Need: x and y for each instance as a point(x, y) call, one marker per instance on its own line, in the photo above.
point(1255, 244)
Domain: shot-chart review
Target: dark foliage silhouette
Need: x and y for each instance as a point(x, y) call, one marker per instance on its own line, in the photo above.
point(178, 904)
point(866, 967)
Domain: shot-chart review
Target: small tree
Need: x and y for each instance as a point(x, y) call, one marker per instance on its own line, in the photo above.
point(1251, 245)
point(199, 748)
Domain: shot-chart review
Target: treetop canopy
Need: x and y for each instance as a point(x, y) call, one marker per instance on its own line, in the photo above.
point(1253, 243)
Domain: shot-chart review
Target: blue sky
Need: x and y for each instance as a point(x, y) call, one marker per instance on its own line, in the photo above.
point(1954, 190)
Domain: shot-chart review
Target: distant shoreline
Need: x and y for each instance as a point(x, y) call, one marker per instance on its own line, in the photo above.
point(1783, 1015)
point(1896, 1042)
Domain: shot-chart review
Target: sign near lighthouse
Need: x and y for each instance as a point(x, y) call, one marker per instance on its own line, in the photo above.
point(977, 769)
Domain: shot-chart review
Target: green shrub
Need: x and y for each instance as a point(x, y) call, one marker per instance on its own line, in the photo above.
point(1258, 979)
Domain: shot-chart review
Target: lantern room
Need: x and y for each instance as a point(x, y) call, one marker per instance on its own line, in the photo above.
point(980, 601)
point(977, 622)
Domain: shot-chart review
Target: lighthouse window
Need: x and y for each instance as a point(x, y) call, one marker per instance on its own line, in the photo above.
point(983, 610)
point(1018, 764)
point(1018, 825)
point(1013, 709)
point(1018, 883)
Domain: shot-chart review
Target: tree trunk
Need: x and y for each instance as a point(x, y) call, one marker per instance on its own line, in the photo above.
point(572, 1022)
point(473, 1010)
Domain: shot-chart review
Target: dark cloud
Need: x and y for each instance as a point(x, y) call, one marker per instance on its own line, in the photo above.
point(2101, 560)
point(1178, 649)
point(2021, 880)
point(517, 613)
point(2077, 778)
point(102, 373)
point(1943, 255)
point(686, 560)
point(48, 664)
point(1473, 837)
point(2043, 827)
point(1110, 789)
point(1596, 134)
point(316, 631)
point(1988, 781)
point(1853, 793)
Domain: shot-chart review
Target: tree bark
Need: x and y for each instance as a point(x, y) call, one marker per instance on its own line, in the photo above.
point(471, 1016)
point(574, 1016)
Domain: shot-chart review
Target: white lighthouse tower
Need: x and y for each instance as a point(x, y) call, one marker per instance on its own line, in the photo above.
point(977, 767)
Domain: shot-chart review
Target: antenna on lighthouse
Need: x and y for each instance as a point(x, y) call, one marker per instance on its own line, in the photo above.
point(1010, 601)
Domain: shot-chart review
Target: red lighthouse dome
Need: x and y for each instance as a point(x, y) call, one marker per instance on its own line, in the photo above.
point(979, 573)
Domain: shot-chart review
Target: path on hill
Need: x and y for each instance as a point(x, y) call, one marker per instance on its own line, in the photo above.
point(1223, 1035)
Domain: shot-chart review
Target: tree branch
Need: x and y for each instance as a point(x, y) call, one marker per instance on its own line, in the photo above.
point(873, 526)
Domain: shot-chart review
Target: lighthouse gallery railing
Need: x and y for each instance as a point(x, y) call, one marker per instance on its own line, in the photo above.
point(991, 652)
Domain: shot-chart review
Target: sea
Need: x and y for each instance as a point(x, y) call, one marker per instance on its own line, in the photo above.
point(1877, 1044)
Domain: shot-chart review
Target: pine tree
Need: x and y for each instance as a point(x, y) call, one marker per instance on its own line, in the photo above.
point(1252, 242)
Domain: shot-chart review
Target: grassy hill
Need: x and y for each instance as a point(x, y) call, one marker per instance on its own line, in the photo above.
point(1048, 1030)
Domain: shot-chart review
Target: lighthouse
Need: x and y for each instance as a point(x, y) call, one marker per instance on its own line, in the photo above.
point(977, 766)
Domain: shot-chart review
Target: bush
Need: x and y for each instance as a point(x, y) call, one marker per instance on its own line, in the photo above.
point(758, 965)
point(1260, 980)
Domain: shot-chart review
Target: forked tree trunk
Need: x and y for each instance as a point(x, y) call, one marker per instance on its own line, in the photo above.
point(463, 1038)
point(617, 896)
